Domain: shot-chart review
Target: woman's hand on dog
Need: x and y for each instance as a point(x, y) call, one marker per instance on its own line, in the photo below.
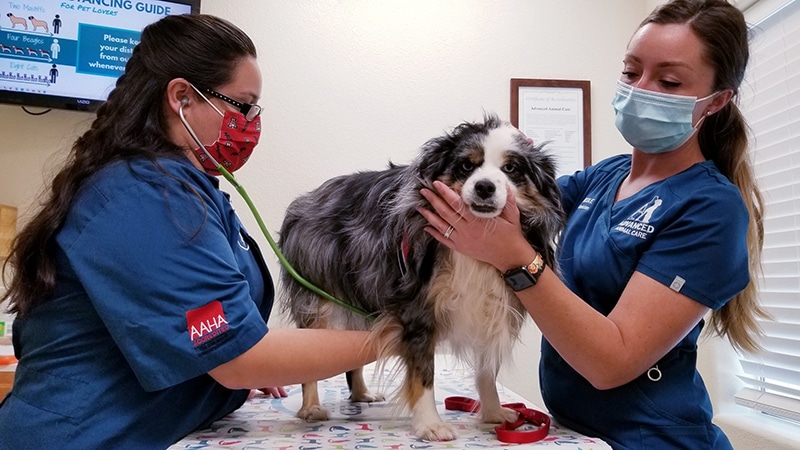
point(274, 391)
point(498, 241)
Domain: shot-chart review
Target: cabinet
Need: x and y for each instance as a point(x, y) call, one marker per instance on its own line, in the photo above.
point(8, 228)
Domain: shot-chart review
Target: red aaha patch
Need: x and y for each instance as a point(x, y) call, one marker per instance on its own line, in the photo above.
point(206, 322)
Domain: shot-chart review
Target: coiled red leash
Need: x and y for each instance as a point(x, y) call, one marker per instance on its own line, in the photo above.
point(507, 431)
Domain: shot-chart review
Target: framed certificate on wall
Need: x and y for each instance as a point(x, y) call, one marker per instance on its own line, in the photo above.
point(556, 113)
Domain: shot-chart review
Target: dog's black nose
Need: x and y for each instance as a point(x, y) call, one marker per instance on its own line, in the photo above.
point(484, 189)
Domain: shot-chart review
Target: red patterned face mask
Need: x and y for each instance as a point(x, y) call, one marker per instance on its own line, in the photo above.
point(233, 147)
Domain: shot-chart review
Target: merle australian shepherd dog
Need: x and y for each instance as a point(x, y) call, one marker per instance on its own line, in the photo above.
point(360, 238)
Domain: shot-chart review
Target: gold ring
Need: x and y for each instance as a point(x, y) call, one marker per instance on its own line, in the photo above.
point(448, 232)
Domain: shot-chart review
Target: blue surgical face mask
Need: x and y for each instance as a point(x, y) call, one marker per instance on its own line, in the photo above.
point(654, 122)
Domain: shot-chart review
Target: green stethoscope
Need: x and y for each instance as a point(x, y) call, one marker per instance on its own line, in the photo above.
point(284, 262)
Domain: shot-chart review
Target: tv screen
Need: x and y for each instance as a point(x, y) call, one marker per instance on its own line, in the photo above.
point(69, 53)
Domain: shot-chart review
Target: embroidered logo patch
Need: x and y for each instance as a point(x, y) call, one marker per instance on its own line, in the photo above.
point(638, 224)
point(586, 203)
point(206, 323)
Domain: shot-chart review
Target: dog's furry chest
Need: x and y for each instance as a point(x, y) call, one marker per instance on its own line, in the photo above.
point(476, 311)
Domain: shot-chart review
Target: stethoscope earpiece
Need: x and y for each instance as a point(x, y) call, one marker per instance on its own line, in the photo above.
point(185, 101)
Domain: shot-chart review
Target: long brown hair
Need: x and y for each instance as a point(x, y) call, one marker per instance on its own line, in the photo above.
point(723, 139)
point(130, 124)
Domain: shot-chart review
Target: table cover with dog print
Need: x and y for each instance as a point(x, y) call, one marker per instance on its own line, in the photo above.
point(264, 422)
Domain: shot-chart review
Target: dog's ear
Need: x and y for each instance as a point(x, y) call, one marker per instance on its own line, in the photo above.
point(546, 172)
point(434, 157)
point(543, 231)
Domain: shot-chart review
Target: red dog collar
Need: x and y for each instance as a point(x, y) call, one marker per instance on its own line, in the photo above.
point(507, 431)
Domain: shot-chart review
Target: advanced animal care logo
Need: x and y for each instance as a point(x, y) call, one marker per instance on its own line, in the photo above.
point(206, 323)
point(638, 224)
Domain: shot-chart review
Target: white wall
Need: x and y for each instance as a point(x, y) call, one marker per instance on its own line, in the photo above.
point(351, 84)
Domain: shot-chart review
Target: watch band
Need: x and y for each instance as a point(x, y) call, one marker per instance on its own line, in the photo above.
point(536, 267)
point(520, 278)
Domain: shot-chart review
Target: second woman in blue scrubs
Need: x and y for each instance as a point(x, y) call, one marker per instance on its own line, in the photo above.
point(654, 241)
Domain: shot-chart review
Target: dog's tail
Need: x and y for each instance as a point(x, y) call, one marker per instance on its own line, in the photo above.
point(385, 336)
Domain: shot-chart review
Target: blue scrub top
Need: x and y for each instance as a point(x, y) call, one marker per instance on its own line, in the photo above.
point(687, 232)
point(158, 283)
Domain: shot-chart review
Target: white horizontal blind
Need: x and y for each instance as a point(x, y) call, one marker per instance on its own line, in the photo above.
point(771, 104)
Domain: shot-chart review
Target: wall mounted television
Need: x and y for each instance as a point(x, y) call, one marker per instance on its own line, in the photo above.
point(68, 54)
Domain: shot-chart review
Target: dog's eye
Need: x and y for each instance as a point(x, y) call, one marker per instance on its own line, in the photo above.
point(510, 168)
point(467, 166)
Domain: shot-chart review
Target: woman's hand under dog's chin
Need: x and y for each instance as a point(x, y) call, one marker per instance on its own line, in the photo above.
point(498, 241)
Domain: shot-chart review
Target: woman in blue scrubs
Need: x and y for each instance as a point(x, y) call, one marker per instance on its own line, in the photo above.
point(141, 300)
point(655, 240)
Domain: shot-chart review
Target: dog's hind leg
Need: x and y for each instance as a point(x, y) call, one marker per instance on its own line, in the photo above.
point(358, 388)
point(491, 411)
point(311, 410)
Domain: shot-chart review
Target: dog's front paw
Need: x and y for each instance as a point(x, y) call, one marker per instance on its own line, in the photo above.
point(435, 431)
point(366, 397)
point(313, 413)
point(498, 415)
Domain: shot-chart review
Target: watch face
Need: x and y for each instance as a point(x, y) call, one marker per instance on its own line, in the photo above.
point(519, 279)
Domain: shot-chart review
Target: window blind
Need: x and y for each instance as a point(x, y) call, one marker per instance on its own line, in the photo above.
point(771, 103)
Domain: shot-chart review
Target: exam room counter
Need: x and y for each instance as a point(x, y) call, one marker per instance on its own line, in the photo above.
point(267, 423)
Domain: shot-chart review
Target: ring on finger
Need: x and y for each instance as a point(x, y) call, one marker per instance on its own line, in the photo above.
point(448, 232)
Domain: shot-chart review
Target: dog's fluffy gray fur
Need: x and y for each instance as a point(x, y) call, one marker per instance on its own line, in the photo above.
point(360, 238)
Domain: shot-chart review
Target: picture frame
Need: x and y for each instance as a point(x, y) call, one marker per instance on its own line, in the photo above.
point(558, 113)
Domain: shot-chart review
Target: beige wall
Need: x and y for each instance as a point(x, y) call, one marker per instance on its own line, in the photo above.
point(349, 85)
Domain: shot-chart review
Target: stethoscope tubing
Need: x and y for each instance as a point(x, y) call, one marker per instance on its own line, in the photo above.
point(275, 249)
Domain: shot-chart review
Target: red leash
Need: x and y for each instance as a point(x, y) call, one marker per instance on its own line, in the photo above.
point(507, 431)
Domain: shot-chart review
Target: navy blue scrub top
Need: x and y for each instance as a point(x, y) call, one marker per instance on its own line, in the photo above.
point(687, 232)
point(158, 283)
